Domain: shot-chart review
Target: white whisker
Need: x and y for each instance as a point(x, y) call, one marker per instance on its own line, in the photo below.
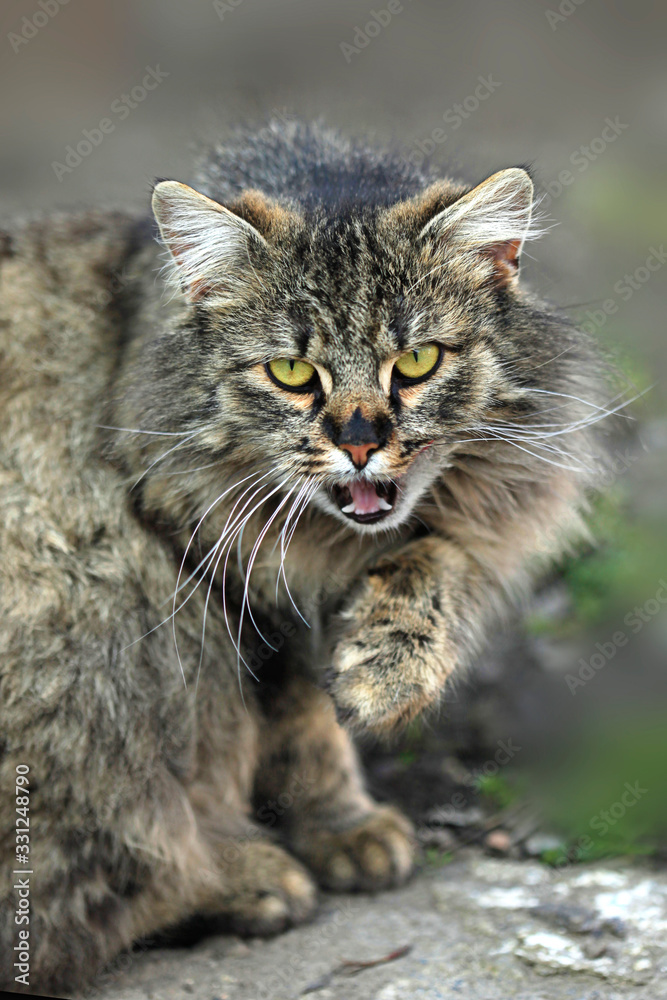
point(139, 430)
point(229, 533)
point(163, 456)
point(285, 544)
point(251, 561)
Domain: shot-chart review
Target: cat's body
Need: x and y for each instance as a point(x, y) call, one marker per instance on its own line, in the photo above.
point(124, 418)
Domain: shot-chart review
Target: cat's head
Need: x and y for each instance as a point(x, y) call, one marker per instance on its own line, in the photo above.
point(343, 353)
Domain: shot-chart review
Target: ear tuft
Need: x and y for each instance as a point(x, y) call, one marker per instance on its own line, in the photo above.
point(493, 220)
point(208, 244)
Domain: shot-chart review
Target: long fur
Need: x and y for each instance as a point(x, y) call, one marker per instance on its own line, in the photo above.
point(183, 603)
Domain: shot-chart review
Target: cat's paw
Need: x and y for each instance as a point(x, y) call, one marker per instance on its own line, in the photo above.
point(382, 677)
point(377, 853)
point(395, 651)
point(269, 891)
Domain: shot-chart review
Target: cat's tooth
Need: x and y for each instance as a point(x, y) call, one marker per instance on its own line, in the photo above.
point(383, 505)
point(349, 509)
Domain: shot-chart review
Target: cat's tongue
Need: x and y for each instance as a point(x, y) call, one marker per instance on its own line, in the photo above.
point(365, 499)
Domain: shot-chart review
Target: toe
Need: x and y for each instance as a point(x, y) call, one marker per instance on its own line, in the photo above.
point(375, 854)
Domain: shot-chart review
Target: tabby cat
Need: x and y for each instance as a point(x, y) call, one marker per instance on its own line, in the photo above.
point(261, 485)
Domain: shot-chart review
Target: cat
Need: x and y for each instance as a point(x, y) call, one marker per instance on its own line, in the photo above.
point(263, 484)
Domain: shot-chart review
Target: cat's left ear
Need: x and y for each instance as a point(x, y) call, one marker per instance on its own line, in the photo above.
point(492, 221)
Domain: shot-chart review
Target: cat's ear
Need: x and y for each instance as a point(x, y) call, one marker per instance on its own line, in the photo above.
point(492, 221)
point(209, 245)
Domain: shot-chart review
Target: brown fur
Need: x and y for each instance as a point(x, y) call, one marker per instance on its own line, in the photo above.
point(159, 767)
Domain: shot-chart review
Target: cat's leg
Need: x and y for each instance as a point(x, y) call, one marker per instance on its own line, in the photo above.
point(416, 616)
point(96, 889)
point(309, 782)
point(267, 889)
point(122, 760)
point(105, 899)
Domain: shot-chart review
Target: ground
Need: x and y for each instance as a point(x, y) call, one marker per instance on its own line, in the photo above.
point(478, 927)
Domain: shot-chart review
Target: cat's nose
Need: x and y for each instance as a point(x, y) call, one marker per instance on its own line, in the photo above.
point(359, 438)
point(360, 453)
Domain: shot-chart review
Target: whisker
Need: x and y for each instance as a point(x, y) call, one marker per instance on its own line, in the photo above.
point(229, 532)
point(163, 456)
point(236, 529)
point(207, 558)
point(139, 430)
point(257, 479)
point(251, 561)
point(285, 546)
point(187, 472)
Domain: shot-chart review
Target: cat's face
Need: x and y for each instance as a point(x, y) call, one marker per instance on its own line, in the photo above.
point(345, 355)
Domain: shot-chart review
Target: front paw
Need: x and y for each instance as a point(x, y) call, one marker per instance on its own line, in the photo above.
point(381, 677)
point(395, 650)
point(375, 853)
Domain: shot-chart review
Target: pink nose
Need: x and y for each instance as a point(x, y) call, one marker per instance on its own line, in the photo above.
point(359, 453)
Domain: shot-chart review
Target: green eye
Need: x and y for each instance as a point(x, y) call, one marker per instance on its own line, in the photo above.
point(417, 364)
point(290, 372)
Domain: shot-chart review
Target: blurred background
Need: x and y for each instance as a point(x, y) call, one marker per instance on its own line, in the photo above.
point(99, 98)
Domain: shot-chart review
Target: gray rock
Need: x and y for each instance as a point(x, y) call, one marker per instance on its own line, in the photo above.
point(481, 928)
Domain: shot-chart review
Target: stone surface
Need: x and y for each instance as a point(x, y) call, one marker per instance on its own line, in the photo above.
point(480, 928)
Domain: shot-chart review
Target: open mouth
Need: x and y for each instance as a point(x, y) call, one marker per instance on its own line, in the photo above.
point(364, 501)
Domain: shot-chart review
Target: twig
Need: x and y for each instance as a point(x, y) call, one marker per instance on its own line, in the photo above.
point(352, 968)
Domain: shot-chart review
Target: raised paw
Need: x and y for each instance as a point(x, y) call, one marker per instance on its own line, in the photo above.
point(395, 652)
point(269, 891)
point(376, 853)
point(381, 682)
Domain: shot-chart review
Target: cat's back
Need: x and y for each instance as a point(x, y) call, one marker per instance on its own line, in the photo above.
point(58, 325)
point(61, 332)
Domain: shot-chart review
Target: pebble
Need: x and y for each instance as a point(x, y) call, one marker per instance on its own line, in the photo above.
point(498, 841)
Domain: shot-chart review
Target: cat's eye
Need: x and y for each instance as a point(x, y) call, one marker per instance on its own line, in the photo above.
point(417, 364)
point(291, 373)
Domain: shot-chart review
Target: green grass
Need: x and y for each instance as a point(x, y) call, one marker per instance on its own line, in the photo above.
point(433, 858)
point(607, 795)
point(498, 789)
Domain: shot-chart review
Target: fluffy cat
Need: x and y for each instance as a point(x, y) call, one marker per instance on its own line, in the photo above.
point(344, 410)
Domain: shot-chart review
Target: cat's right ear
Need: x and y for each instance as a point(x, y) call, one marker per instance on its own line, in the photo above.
point(211, 247)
